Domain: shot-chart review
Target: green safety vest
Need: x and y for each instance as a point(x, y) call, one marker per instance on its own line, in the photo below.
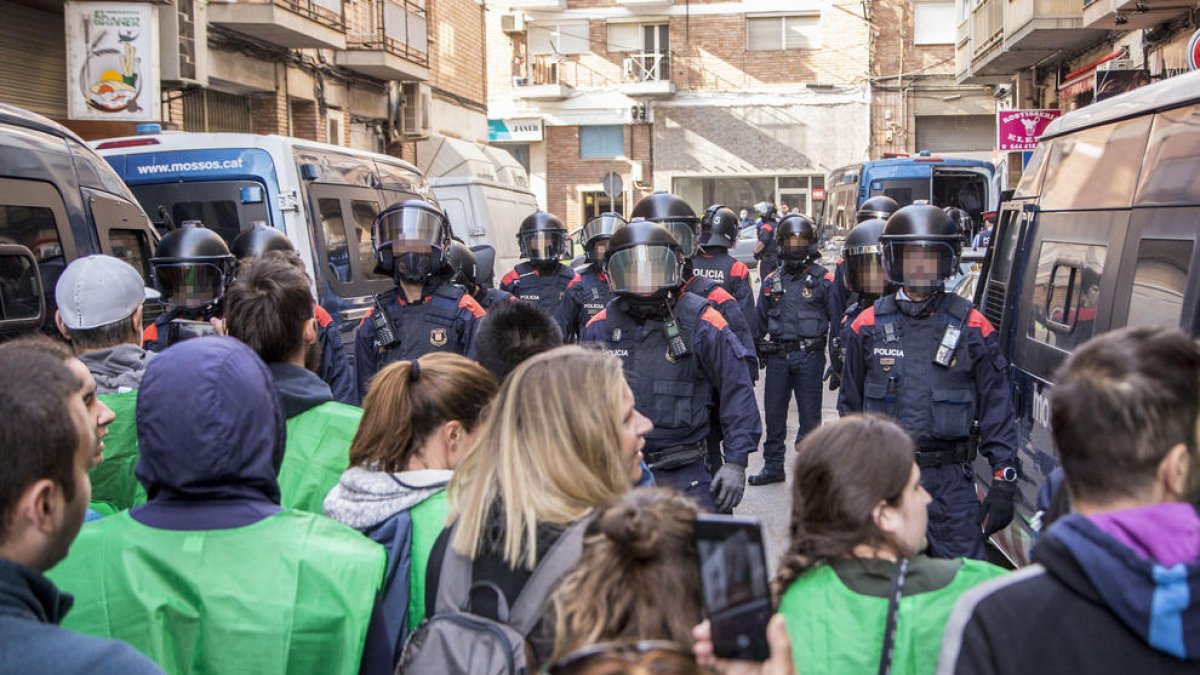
point(836, 630)
point(289, 595)
point(114, 487)
point(317, 454)
point(428, 521)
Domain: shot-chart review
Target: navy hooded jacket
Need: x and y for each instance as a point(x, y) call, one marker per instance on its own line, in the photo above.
point(1090, 605)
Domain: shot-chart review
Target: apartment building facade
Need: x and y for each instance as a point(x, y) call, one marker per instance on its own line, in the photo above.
point(380, 75)
point(718, 101)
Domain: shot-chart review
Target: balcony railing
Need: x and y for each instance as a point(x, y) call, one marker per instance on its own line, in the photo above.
point(543, 69)
point(987, 25)
point(399, 27)
point(648, 67)
point(325, 12)
point(286, 23)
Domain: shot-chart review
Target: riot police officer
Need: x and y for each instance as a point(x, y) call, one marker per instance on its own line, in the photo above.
point(589, 293)
point(465, 264)
point(541, 278)
point(928, 359)
point(718, 233)
point(333, 367)
point(879, 206)
point(963, 222)
point(797, 304)
point(191, 267)
point(425, 312)
point(677, 350)
point(766, 252)
point(864, 281)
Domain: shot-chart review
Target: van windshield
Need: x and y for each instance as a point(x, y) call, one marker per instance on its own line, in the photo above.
point(217, 204)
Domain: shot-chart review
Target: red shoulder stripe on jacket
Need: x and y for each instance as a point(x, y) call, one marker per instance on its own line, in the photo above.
point(469, 303)
point(322, 317)
point(720, 296)
point(509, 278)
point(366, 316)
point(713, 317)
point(828, 276)
point(977, 320)
point(739, 269)
point(599, 317)
point(574, 280)
point(867, 318)
point(150, 333)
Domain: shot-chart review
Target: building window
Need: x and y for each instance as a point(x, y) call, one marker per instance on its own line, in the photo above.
point(934, 23)
point(766, 33)
point(601, 141)
point(563, 38)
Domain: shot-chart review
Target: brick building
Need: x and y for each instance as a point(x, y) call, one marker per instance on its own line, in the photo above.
point(716, 101)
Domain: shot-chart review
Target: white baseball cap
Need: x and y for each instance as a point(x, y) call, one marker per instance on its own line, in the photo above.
point(98, 290)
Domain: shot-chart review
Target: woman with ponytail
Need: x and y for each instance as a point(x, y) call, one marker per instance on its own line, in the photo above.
point(418, 420)
point(853, 585)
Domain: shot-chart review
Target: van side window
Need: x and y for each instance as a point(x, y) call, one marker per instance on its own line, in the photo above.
point(364, 220)
point(1065, 294)
point(123, 230)
point(131, 246)
point(1171, 164)
point(333, 227)
point(1095, 168)
point(32, 214)
point(1159, 282)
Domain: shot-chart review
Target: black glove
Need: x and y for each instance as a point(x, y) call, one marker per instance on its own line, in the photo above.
point(997, 510)
point(728, 485)
point(835, 381)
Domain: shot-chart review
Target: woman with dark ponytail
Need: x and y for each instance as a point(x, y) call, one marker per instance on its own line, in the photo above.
point(853, 586)
point(419, 417)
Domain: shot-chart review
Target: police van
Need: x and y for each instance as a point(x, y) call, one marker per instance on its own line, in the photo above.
point(323, 197)
point(972, 185)
point(1100, 234)
point(58, 201)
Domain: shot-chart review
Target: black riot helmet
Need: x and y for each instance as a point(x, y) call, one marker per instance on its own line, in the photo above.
point(962, 220)
point(719, 227)
point(879, 206)
point(764, 210)
point(864, 259)
point(411, 240)
point(643, 261)
point(797, 237)
point(597, 232)
point(258, 240)
point(466, 269)
point(674, 214)
point(192, 267)
point(542, 238)
point(921, 246)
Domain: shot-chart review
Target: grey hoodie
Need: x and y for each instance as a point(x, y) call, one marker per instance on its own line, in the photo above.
point(117, 369)
point(363, 499)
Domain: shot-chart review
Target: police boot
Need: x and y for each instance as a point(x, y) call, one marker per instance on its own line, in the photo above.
point(768, 475)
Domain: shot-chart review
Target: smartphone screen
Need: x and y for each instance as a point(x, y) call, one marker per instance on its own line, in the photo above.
point(733, 574)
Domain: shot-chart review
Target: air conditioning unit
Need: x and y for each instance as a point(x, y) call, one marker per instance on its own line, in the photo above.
point(512, 23)
point(183, 42)
point(636, 170)
point(416, 101)
point(1116, 64)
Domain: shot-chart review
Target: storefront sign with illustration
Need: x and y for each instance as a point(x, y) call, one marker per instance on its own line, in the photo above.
point(1018, 130)
point(112, 61)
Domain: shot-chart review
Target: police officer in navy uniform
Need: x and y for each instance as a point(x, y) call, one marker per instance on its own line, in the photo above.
point(718, 233)
point(963, 221)
point(766, 251)
point(864, 281)
point(464, 262)
point(930, 360)
point(333, 367)
point(589, 293)
point(541, 278)
point(425, 312)
point(879, 207)
point(797, 306)
point(677, 351)
point(191, 268)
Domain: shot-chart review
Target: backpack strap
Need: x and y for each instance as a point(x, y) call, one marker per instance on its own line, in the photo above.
point(454, 581)
point(561, 558)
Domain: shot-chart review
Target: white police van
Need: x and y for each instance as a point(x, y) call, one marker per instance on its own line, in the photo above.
point(1101, 233)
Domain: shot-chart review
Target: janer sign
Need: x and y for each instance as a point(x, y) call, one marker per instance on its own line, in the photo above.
point(1018, 130)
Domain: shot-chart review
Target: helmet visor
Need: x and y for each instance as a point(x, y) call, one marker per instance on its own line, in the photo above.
point(644, 270)
point(795, 245)
point(687, 233)
point(920, 264)
point(542, 244)
point(409, 229)
point(864, 269)
point(601, 226)
point(189, 285)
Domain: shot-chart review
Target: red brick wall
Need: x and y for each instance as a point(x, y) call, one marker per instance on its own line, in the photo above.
point(458, 49)
point(307, 121)
point(269, 114)
point(565, 171)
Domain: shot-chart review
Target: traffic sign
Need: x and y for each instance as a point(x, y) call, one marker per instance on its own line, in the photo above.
point(1193, 51)
point(612, 184)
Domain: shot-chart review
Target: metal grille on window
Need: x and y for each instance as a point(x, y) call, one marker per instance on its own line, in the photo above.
point(215, 111)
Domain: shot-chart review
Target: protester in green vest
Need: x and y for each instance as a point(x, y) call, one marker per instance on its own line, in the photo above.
point(418, 420)
point(99, 313)
point(857, 530)
point(211, 575)
point(270, 308)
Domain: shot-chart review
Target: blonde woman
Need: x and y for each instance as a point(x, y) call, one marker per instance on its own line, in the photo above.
point(548, 453)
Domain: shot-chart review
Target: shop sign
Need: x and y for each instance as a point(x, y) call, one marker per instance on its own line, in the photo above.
point(516, 131)
point(112, 61)
point(1018, 130)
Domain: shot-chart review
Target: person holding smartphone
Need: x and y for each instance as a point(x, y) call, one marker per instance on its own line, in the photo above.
point(853, 585)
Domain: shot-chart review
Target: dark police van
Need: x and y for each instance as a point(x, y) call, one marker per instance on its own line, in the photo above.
point(1100, 233)
point(58, 201)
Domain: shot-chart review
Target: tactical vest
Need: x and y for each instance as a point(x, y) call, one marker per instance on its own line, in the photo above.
point(431, 326)
point(674, 393)
point(835, 630)
point(592, 293)
point(717, 267)
point(287, 595)
point(770, 250)
point(491, 296)
point(317, 453)
point(797, 306)
point(934, 403)
point(545, 291)
point(705, 287)
point(114, 487)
